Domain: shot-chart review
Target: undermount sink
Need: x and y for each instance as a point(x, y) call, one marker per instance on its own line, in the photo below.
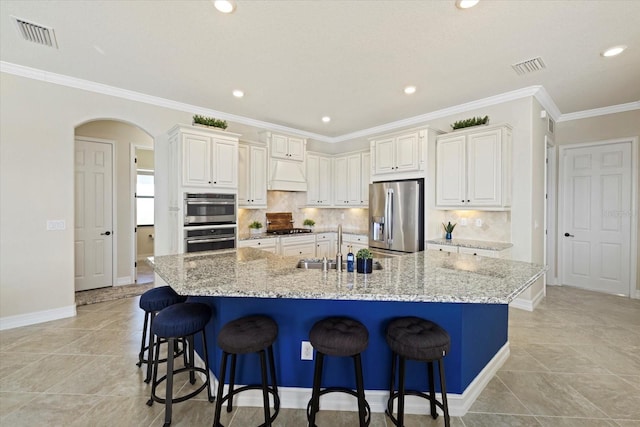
point(316, 264)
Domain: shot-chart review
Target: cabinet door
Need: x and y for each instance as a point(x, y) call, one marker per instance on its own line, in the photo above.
point(279, 146)
point(322, 250)
point(302, 250)
point(365, 178)
point(313, 180)
point(442, 248)
point(324, 180)
point(407, 152)
point(225, 160)
point(451, 172)
point(258, 174)
point(353, 183)
point(196, 161)
point(340, 192)
point(244, 173)
point(296, 149)
point(484, 169)
point(384, 153)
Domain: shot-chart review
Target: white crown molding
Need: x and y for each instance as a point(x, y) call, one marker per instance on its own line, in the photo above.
point(612, 109)
point(538, 92)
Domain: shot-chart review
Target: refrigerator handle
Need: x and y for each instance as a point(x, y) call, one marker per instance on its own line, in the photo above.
point(389, 214)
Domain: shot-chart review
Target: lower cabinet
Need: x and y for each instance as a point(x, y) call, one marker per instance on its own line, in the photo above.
point(357, 241)
point(326, 245)
point(302, 246)
point(505, 253)
point(269, 245)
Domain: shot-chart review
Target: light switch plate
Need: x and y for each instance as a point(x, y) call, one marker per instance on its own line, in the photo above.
point(478, 222)
point(56, 224)
point(463, 222)
point(306, 351)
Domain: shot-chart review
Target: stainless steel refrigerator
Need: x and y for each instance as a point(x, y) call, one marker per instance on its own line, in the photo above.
point(396, 215)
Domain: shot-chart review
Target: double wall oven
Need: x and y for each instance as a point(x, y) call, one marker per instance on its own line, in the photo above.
point(209, 221)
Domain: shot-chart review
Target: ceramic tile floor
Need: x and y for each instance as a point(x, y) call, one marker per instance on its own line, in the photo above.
point(575, 361)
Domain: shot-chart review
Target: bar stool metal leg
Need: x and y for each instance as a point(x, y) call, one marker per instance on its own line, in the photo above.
point(443, 390)
point(360, 390)
point(144, 339)
point(315, 394)
point(432, 391)
point(265, 390)
point(223, 372)
point(401, 393)
point(232, 382)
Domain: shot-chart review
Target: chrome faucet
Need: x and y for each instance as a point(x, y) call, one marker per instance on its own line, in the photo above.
point(338, 253)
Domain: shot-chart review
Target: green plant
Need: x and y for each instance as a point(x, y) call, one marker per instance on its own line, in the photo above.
point(309, 222)
point(448, 228)
point(474, 121)
point(364, 254)
point(256, 224)
point(209, 121)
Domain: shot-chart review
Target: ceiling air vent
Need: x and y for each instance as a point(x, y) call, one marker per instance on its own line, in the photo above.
point(529, 66)
point(36, 33)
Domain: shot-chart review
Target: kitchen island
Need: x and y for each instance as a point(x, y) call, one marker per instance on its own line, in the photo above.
point(468, 296)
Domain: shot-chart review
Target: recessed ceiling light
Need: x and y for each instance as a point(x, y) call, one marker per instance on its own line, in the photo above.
point(326, 119)
point(466, 4)
point(409, 90)
point(225, 6)
point(613, 51)
point(238, 93)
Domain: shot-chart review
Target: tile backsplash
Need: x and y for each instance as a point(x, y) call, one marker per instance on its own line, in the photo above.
point(495, 226)
point(355, 219)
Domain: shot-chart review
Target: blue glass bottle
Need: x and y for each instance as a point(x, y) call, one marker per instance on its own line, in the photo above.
point(350, 260)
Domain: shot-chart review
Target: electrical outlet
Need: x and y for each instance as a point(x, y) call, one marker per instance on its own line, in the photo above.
point(478, 222)
point(463, 222)
point(56, 224)
point(306, 351)
point(342, 215)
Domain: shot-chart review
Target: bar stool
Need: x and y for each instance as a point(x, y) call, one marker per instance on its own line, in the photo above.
point(251, 334)
point(418, 339)
point(152, 302)
point(341, 337)
point(182, 320)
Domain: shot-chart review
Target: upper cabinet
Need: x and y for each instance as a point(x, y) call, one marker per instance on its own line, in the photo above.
point(400, 155)
point(319, 179)
point(209, 157)
point(473, 169)
point(286, 147)
point(252, 178)
point(351, 179)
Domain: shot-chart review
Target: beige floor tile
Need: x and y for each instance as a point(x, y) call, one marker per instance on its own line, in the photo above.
point(520, 360)
point(11, 362)
point(627, 423)
point(563, 358)
point(549, 394)
point(634, 380)
point(45, 340)
point(12, 401)
point(412, 420)
point(9, 337)
point(191, 413)
point(326, 418)
point(499, 420)
point(496, 398)
point(574, 422)
point(119, 411)
point(611, 394)
point(51, 410)
point(104, 342)
point(617, 359)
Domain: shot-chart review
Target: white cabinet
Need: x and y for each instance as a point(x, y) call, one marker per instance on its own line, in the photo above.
point(252, 177)
point(365, 178)
point(505, 253)
point(442, 248)
point(326, 245)
point(286, 147)
point(400, 153)
point(319, 180)
point(209, 157)
point(357, 241)
point(301, 246)
point(269, 245)
point(473, 169)
point(349, 185)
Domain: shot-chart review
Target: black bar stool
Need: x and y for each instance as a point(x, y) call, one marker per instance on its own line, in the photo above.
point(251, 334)
point(152, 302)
point(182, 320)
point(414, 338)
point(342, 337)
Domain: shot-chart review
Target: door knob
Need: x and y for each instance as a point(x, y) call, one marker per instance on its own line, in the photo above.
point(568, 235)
point(106, 233)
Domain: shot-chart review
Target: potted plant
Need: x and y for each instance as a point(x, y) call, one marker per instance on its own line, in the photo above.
point(448, 229)
point(255, 227)
point(364, 261)
point(309, 223)
point(209, 122)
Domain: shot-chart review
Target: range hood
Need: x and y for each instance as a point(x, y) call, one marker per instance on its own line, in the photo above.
point(287, 175)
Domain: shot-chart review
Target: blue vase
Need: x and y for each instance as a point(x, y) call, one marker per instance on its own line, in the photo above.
point(448, 236)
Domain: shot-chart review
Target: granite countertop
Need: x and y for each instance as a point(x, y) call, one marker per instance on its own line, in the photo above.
point(475, 244)
point(428, 276)
point(247, 236)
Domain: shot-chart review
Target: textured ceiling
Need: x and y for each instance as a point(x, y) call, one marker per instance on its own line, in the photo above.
point(300, 60)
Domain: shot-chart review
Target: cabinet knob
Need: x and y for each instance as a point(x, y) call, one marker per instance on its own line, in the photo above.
point(259, 243)
point(209, 182)
point(462, 201)
point(468, 201)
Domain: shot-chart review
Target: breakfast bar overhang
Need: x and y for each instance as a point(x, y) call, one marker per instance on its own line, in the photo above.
point(467, 295)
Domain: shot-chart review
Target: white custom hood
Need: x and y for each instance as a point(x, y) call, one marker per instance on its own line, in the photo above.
point(287, 175)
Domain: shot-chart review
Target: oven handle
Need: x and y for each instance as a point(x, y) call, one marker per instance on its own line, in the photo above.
point(207, 202)
point(221, 239)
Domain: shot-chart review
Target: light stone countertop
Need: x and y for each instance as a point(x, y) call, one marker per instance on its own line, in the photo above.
point(247, 236)
point(475, 244)
point(428, 276)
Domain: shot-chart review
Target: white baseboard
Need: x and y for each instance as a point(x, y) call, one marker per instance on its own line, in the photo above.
point(526, 304)
point(298, 398)
point(10, 322)
point(125, 280)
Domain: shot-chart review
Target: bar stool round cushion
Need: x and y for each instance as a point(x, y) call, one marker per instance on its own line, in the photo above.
point(158, 298)
point(248, 334)
point(181, 320)
point(339, 336)
point(417, 339)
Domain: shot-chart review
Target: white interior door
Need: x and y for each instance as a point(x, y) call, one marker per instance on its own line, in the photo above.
point(596, 221)
point(93, 214)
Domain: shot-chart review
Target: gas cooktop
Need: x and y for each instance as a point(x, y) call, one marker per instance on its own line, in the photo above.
point(289, 231)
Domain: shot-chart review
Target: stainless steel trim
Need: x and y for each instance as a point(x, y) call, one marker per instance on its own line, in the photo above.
point(221, 239)
point(207, 202)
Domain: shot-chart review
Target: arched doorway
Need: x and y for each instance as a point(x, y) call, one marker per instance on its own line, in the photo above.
point(115, 241)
